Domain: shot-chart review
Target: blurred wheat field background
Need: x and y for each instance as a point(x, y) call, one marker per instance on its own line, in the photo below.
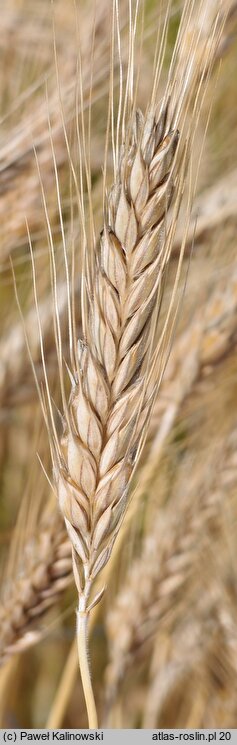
point(163, 639)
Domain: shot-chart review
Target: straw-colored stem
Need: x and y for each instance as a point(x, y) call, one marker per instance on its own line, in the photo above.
point(83, 654)
point(70, 671)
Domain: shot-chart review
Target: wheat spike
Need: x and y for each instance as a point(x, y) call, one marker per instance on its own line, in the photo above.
point(199, 653)
point(154, 589)
point(108, 408)
point(115, 373)
point(42, 575)
point(99, 449)
point(189, 648)
point(198, 649)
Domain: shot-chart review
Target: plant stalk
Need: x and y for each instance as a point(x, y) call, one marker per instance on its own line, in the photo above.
point(83, 654)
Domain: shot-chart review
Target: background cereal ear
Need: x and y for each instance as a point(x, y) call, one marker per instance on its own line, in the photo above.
point(196, 402)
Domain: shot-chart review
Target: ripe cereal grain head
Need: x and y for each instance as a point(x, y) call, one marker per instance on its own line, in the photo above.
point(117, 366)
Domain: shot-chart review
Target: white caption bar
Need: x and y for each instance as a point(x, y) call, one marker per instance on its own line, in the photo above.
point(116, 736)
